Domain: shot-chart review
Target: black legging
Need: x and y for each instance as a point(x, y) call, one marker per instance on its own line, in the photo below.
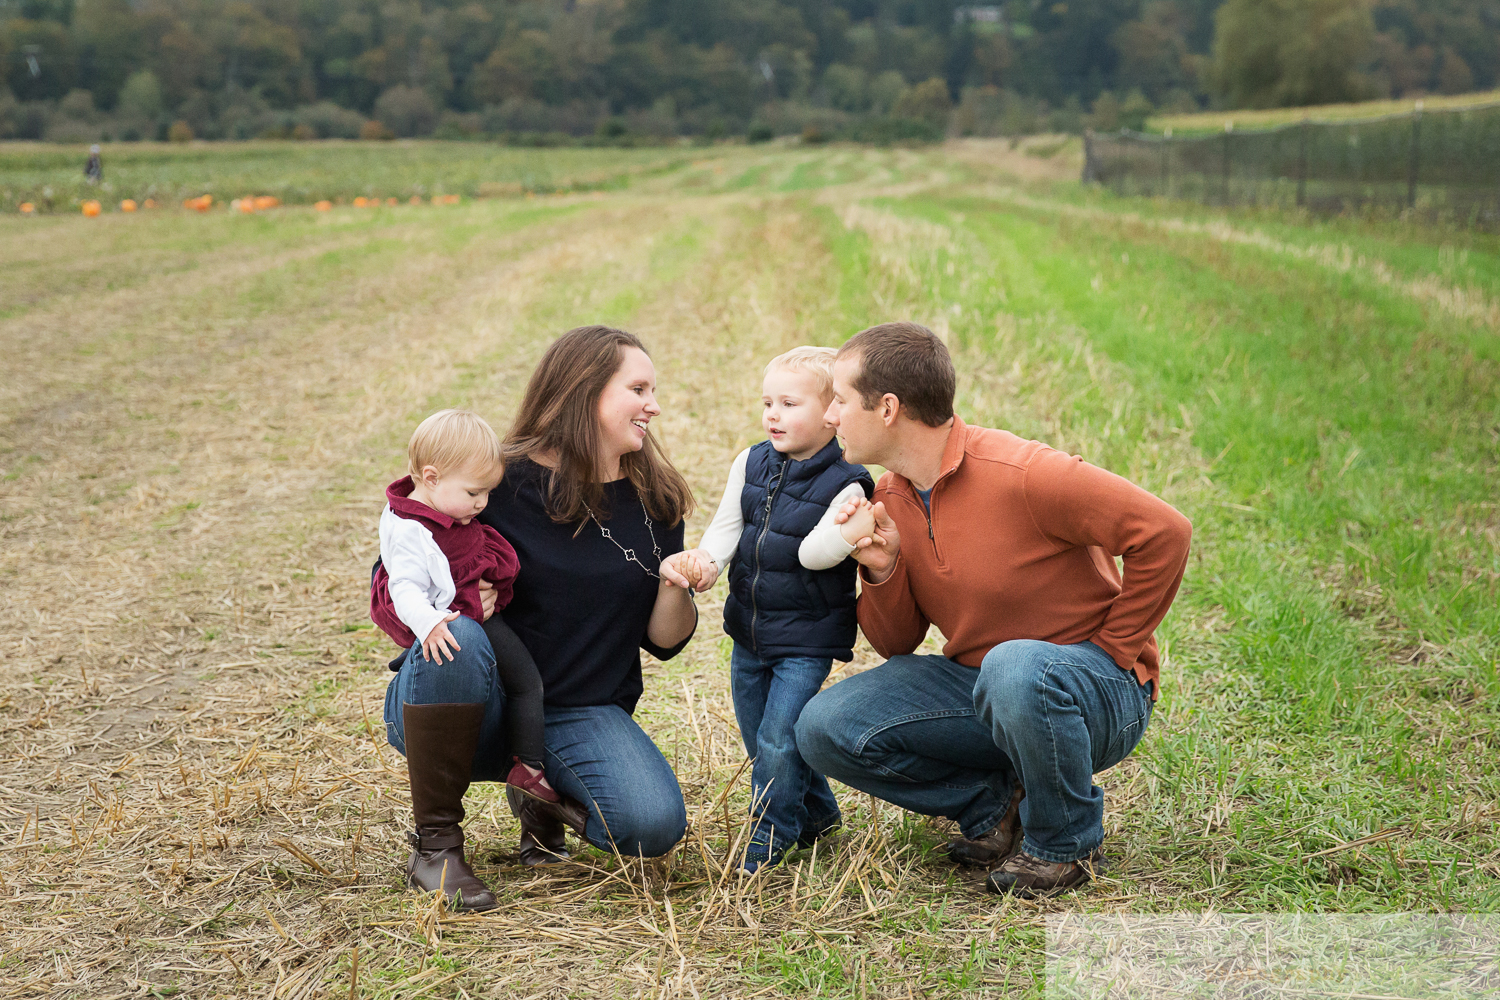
point(523, 691)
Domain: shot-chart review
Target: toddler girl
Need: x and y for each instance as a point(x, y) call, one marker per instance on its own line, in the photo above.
point(433, 553)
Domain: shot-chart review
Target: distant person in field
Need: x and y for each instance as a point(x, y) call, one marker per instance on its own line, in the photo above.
point(433, 556)
point(594, 512)
point(790, 609)
point(93, 170)
point(1050, 667)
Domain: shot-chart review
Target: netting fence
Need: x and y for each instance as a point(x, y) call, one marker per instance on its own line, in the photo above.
point(1442, 164)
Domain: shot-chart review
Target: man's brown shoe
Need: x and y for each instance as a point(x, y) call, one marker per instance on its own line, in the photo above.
point(994, 847)
point(1032, 878)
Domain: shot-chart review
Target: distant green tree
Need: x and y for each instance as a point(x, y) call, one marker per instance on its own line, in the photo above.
point(407, 111)
point(1105, 116)
point(1286, 53)
point(1135, 110)
point(1455, 77)
point(1154, 50)
point(885, 90)
point(141, 96)
point(927, 102)
point(848, 87)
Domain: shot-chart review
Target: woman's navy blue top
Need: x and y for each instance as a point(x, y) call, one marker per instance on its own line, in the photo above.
point(580, 607)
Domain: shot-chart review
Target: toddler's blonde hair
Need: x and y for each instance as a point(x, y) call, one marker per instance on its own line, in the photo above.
point(453, 441)
point(814, 361)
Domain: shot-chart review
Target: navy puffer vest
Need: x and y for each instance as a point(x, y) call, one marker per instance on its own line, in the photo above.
point(776, 607)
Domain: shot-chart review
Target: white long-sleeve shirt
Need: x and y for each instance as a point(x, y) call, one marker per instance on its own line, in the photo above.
point(421, 582)
point(823, 548)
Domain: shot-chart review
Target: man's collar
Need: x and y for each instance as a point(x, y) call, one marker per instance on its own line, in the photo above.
point(953, 450)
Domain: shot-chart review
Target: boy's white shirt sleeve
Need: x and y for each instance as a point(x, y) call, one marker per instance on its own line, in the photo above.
point(421, 583)
point(723, 535)
point(824, 547)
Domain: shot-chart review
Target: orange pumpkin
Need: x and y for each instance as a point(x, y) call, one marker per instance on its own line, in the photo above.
point(361, 201)
point(150, 203)
point(202, 203)
point(27, 208)
point(245, 205)
point(415, 199)
point(323, 206)
point(91, 209)
point(128, 205)
point(265, 201)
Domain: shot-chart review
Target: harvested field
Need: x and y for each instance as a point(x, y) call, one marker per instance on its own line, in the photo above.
point(202, 411)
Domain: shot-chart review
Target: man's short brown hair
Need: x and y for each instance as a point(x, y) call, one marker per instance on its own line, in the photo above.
point(908, 361)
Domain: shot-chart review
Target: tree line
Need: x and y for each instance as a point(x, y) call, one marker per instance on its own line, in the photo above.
point(78, 70)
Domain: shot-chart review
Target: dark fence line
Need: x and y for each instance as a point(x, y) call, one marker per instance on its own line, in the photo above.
point(1442, 164)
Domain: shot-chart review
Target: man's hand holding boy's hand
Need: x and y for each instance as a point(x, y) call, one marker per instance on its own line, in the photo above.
point(690, 570)
point(860, 523)
point(877, 550)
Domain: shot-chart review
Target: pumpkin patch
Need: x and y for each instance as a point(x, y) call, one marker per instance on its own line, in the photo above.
point(92, 209)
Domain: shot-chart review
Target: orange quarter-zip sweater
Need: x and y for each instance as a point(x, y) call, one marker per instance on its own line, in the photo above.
point(1019, 544)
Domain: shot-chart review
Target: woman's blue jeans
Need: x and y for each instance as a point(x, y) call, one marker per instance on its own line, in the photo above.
point(788, 798)
point(942, 739)
point(595, 754)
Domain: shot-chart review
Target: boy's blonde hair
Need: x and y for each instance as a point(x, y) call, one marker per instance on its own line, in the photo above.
point(453, 441)
point(814, 361)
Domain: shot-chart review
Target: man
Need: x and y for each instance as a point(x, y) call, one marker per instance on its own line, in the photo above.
point(1050, 666)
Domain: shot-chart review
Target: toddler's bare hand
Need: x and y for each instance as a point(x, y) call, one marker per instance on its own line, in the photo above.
point(860, 523)
point(436, 643)
point(848, 509)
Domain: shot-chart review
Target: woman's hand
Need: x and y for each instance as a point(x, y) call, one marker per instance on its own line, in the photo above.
point(674, 615)
point(487, 596)
point(691, 570)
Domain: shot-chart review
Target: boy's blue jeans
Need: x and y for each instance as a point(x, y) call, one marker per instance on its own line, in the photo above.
point(788, 799)
point(942, 739)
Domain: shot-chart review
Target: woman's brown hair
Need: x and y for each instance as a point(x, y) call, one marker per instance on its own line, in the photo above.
point(560, 417)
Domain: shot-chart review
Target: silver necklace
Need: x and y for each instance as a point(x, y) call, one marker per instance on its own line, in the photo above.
point(630, 553)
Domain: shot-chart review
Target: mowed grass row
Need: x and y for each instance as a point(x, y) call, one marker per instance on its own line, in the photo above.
point(1317, 691)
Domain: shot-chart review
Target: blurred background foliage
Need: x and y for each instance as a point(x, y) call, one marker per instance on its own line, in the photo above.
point(553, 71)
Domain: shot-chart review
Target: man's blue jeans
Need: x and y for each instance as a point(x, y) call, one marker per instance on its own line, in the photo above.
point(792, 799)
point(595, 754)
point(942, 739)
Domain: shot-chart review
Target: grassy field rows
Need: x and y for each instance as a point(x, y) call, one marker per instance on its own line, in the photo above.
point(202, 411)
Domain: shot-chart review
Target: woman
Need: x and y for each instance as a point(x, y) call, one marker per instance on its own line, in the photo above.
point(593, 508)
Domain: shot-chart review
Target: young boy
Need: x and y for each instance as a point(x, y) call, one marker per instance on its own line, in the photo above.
point(791, 592)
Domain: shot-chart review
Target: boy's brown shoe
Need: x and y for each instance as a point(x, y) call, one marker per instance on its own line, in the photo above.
point(994, 847)
point(1032, 878)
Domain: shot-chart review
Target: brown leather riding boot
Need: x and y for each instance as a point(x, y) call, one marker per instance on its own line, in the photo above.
point(996, 846)
point(440, 745)
point(543, 839)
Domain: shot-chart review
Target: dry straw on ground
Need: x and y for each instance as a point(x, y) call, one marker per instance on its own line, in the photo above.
point(198, 797)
